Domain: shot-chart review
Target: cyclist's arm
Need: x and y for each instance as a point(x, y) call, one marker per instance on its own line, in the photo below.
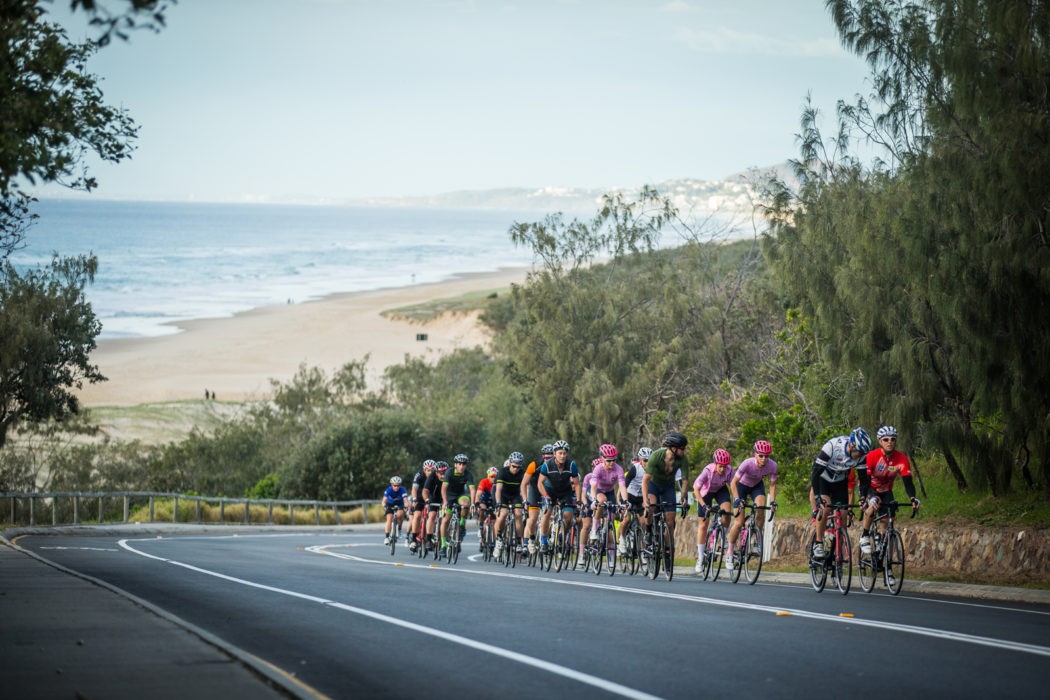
point(576, 488)
point(541, 484)
point(909, 485)
point(865, 482)
point(645, 488)
point(498, 492)
point(444, 492)
point(525, 485)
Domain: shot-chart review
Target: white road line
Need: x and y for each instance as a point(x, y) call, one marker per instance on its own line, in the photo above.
point(586, 679)
point(824, 617)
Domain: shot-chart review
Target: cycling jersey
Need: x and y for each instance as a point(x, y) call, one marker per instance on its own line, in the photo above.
point(710, 481)
point(485, 489)
point(663, 476)
point(750, 474)
point(883, 469)
point(633, 477)
point(511, 489)
point(606, 478)
point(834, 463)
point(558, 482)
point(458, 484)
point(395, 496)
point(432, 487)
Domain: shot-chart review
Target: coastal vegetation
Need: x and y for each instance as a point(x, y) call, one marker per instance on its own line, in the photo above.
point(907, 289)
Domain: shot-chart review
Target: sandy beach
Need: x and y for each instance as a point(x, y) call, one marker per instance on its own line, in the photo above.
point(237, 357)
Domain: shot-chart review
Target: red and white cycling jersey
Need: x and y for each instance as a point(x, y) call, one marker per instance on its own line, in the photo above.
point(883, 469)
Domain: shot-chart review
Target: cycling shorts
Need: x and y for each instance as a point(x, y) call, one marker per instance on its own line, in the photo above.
point(885, 499)
point(392, 508)
point(755, 491)
point(837, 492)
point(720, 496)
point(534, 499)
point(418, 505)
point(665, 495)
point(511, 501)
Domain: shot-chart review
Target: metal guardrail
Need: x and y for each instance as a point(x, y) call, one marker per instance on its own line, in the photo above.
point(71, 507)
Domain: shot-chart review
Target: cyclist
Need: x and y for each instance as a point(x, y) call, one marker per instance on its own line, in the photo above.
point(483, 504)
point(634, 475)
point(508, 495)
point(710, 487)
point(883, 466)
point(608, 485)
point(587, 505)
point(432, 496)
point(530, 493)
point(458, 489)
point(830, 478)
point(665, 466)
point(394, 505)
point(559, 485)
point(749, 481)
point(415, 525)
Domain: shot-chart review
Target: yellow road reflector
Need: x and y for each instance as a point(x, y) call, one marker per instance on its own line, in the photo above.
point(845, 614)
point(783, 613)
point(398, 564)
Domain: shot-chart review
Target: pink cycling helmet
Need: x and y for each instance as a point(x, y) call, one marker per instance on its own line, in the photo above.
point(762, 447)
point(722, 457)
point(608, 451)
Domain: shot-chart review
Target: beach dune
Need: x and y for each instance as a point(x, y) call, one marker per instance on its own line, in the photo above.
point(237, 357)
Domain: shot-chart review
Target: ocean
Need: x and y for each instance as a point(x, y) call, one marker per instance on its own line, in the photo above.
point(160, 263)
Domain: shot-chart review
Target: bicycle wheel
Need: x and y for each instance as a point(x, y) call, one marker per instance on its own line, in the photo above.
point(867, 568)
point(393, 538)
point(843, 568)
point(453, 540)
point(668, 552)
point(817, 574)
point(718, 552)
point(599, 546)
point(512, 544)
point(738, 559)
point(752, 554)
point(893, 571)
point(656, 545)
point(572, 546)
point(610, 548)
point(629, 561)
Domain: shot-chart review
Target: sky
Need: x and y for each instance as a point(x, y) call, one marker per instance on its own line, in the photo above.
point(329, 100)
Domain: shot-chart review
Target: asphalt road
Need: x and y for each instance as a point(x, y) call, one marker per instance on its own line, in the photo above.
point(340, 615)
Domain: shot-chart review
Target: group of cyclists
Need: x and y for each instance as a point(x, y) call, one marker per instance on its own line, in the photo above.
point(656, 482)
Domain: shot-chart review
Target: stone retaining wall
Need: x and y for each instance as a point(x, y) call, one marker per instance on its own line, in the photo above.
point(970, 553)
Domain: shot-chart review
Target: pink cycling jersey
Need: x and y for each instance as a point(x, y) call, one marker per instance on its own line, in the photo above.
point(749, 473)
point(710, 481)
point(605, 480)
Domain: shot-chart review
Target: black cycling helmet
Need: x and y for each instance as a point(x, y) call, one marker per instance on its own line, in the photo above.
point(673, 439)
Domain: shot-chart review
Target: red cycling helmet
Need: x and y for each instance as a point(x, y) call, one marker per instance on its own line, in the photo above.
point(608, 451)
point(762, 447)
point(722, 457)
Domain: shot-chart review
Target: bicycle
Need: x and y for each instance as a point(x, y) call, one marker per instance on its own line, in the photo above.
point(838, 554)
point(887, 554)
point(456, 532)
point(747, 554)
point(509, 553)
point(630, 560)
point(487, 543)
point(395, 530)
point(604, 545)
point(659, 549)
point(714, 552)
point(564, 541)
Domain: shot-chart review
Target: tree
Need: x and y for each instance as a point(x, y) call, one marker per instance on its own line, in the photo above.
point(927, 271)
point(47, 331)
point(609, 352)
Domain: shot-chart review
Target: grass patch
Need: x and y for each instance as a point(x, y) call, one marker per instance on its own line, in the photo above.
point(233, 514)
point(158, 423)
point(429, 310)
point(942, 502)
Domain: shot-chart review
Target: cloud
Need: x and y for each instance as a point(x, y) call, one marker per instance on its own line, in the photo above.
point(676, 6)
point(729, 41)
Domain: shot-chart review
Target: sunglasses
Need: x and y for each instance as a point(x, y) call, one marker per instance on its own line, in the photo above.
point(889, 438)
